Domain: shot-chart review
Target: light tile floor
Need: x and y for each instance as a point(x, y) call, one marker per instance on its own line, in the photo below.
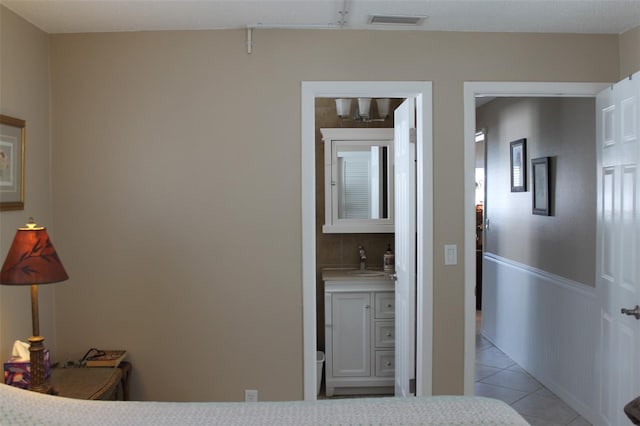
point(497, 376)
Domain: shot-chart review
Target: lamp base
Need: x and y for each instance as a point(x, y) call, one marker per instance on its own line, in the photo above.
point(38, 381)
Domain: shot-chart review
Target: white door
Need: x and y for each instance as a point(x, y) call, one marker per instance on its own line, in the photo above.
point(618, 247)
point(405, 240)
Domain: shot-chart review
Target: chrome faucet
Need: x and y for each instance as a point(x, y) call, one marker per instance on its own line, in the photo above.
point(363, 257)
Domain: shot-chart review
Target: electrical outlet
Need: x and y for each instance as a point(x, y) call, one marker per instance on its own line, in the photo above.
point(251, 395)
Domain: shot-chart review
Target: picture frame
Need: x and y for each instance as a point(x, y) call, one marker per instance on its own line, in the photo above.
point(541, 186)
point(12, 140)
point(518, 161)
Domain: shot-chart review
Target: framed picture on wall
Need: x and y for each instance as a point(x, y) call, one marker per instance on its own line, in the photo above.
point(519, 165)
point(540, 171)
point(11, 163)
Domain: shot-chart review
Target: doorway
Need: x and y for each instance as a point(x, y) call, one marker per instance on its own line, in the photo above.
point(421, 92)
point(538, 267)
point(354, 228)
point(501, 90)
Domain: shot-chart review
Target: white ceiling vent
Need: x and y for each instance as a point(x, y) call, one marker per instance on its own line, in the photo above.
point(415, 20)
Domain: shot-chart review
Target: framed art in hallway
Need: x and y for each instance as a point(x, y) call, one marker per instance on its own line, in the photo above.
point(12, 141)
point(519, 165)
point(540, 171)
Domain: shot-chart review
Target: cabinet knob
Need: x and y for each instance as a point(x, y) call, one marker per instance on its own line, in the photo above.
point(389, 334)
point(389, 305)
point(388, 363)
point(367, 306)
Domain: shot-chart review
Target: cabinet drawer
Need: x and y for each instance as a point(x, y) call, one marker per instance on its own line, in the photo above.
point(385, 364)
point(385, 304)
point(385, 334)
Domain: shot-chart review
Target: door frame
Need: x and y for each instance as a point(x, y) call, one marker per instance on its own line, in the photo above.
point(422, 92)
point(497, 89)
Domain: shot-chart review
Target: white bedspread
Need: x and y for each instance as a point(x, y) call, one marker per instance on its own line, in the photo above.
point(20, 407)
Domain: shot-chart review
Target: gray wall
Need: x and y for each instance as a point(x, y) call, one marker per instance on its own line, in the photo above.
point(563, 129)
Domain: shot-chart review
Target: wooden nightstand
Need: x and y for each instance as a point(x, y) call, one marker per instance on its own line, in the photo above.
point(92, 382)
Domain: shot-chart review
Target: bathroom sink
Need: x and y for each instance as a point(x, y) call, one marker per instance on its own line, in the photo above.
point(365, 273)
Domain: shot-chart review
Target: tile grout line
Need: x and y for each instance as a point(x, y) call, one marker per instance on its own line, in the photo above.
point(526, 393)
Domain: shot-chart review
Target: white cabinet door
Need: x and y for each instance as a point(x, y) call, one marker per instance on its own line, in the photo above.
point(618, 247)
point(351, 334)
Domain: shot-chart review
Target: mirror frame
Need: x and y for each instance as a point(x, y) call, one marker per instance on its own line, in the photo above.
point(333, 224)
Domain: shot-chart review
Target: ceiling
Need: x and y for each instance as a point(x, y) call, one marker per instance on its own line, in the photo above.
point(564, 16)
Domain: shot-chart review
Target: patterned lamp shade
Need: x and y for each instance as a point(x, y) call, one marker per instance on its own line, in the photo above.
point(32, 259)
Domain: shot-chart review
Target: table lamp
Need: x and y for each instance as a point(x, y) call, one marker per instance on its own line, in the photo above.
point(33, 260)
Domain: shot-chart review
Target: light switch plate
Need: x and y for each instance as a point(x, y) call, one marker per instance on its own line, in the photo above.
point(450, 254)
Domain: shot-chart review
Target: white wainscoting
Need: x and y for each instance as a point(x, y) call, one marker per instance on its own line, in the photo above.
point(545, 323)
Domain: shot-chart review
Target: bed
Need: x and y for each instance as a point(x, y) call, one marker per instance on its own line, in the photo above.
point(22, 407)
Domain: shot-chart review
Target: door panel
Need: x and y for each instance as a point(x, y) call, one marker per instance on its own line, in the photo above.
point(405, 234)
point(618, 240)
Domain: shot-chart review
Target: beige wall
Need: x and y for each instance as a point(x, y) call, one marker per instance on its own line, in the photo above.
point(629, 52)
point(177, 189)
point(24, 94)
point(564, 130)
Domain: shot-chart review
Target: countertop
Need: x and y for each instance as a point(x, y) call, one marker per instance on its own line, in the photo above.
point(352, 274)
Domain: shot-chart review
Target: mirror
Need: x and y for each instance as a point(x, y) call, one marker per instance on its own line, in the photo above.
point(358, 180)
point(362, 181)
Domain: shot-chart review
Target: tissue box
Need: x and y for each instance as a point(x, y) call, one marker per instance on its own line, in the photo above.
point(17, 373)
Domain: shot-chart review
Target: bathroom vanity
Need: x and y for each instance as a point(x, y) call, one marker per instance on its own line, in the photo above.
point(360, 332)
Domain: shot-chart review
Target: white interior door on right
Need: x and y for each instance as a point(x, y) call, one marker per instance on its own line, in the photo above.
point(405, 247)
point(618, 248)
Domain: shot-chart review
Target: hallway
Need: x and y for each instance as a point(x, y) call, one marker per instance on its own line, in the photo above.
point(499, 377)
